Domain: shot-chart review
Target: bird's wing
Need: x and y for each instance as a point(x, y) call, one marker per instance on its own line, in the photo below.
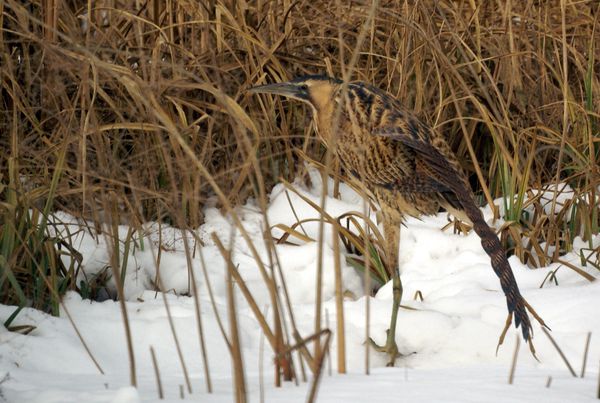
point(417, 183)
point(447, 174)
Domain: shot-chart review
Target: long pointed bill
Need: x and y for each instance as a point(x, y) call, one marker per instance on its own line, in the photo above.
point(284, 89)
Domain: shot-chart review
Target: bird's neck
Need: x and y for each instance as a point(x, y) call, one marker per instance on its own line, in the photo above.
point(327, 122)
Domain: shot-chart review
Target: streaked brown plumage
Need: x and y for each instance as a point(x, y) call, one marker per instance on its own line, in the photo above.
point(408, 168)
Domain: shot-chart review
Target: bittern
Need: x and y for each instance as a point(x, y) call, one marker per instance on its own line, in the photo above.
point(408, 168)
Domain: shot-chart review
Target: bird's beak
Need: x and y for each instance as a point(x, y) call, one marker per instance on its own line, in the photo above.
point(284, 89)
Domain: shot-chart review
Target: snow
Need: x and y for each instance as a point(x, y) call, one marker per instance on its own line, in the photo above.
point(448, 339)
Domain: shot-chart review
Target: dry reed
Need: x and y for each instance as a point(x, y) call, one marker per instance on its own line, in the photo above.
point(124, 112)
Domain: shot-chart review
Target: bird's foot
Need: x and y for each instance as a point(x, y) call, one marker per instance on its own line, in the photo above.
point(390, 348)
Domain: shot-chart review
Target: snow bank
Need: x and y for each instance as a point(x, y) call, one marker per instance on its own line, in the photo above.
point(448, 339)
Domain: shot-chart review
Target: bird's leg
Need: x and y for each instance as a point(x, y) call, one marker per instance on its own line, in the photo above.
point(392, 238)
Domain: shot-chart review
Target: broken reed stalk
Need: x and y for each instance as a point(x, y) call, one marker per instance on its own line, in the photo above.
point(585, 353)
point(511, 375)
point(197, 310)
point(159, 386)
point(339, 304)
point(317, 363)
point(301, 360)
point(564, 358)
point(303, 352)
point(312, 395)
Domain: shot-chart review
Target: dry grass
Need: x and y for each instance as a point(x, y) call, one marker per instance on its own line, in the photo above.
point(491, 77)
point(509, 84)
point(143, 112)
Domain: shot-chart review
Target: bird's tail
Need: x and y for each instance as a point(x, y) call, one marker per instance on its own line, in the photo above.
point(454, 181)
point(491, 245)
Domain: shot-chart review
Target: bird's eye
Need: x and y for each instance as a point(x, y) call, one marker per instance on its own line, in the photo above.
point(304, 87)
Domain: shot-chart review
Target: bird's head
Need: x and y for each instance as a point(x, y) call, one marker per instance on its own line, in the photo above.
point(315, 90)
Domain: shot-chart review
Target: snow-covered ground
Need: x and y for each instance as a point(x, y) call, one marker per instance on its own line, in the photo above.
point(449, 339)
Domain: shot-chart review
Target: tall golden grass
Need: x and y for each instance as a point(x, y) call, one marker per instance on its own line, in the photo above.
point(123, 112)
point(511, 84)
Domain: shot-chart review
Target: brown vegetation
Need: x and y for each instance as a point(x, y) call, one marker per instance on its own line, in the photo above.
point(122, 111)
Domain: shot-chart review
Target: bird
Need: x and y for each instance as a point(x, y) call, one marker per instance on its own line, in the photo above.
point(408, 168)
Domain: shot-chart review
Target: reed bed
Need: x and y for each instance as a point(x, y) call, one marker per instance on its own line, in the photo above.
point(126, 112)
